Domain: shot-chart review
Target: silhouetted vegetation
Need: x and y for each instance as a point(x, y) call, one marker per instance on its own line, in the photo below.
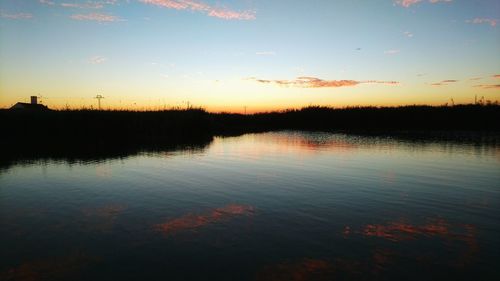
point(367, 119)
point(82, 134)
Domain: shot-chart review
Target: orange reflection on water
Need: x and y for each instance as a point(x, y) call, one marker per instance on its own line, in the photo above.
point(307, 269)
point(399, 231)
point(191, 221)
point(62, 268)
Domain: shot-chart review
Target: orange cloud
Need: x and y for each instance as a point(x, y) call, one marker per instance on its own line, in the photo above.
point(95, 17)
point(496, 76)
point(195, 5)
point(444, 82)
point(492, 22)
point(494, 86)
point(313, 82)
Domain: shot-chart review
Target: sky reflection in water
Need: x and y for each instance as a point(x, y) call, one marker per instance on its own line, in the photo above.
point(274, 206)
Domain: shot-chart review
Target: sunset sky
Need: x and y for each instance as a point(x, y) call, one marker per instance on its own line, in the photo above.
point(261, 54)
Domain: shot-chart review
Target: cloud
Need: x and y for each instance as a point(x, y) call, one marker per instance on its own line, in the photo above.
point(46, 2)
point(492, 22)
point(444, 82)
point(266, 53)
point(95, 17)
point(313, 82)
point(97, 59)
point(494, 86)
point(392, 52)
point(88, 5)
point(496, 76)
point(232, 15)
point(196, 5)
point(436, 1)
point(408, 3)
point(408, 34)
point(18, 16)
point(475, 78)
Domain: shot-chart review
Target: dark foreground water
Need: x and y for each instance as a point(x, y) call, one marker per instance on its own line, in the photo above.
point(274, 206)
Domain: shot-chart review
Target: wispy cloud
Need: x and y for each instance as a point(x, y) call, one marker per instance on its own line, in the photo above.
point(97, 59)
point(313, 82)
point(492, 22)
point(436, 1)
point(87, 5)
point(408, 34)
point(95, 17)
point(444, 82)
point(496, 76)
point(494, 86)
point(408, 3)
point(392, 52)
point(475, 78)
point(196, 5)
point(47, 2)
point(18, 16)
point(266, 53)
point(79, 4)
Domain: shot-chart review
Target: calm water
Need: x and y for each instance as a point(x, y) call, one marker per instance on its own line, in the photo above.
point(274, 206)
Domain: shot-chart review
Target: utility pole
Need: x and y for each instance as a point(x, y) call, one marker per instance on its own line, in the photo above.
point(245, 110)
point(99, 98)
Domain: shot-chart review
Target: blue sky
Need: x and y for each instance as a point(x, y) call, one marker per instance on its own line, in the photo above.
point(265, 55)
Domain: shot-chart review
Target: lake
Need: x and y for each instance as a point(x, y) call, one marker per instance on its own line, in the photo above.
point(272, 206)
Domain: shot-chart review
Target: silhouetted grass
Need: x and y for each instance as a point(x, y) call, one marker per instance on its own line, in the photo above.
point(89, 133)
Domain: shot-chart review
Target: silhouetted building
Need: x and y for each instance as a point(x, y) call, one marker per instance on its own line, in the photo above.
point(34, 105)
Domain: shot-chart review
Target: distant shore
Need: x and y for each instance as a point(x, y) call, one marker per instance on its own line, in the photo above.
point(81, 133)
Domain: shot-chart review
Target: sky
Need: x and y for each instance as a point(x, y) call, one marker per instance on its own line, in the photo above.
point(253, 55)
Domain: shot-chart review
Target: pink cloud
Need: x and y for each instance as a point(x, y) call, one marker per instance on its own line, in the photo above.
point(313, 82)
point(18, 16)
point(95, 17)
point(436, 1)
point(492, 22)
point(496, 76)
point(195, 5)
point(408, 3)
point(232, 15)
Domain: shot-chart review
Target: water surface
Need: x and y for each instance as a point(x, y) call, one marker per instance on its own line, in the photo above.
point(273, 206)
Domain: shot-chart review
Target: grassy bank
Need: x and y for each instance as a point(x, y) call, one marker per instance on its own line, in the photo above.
point(84, 133)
